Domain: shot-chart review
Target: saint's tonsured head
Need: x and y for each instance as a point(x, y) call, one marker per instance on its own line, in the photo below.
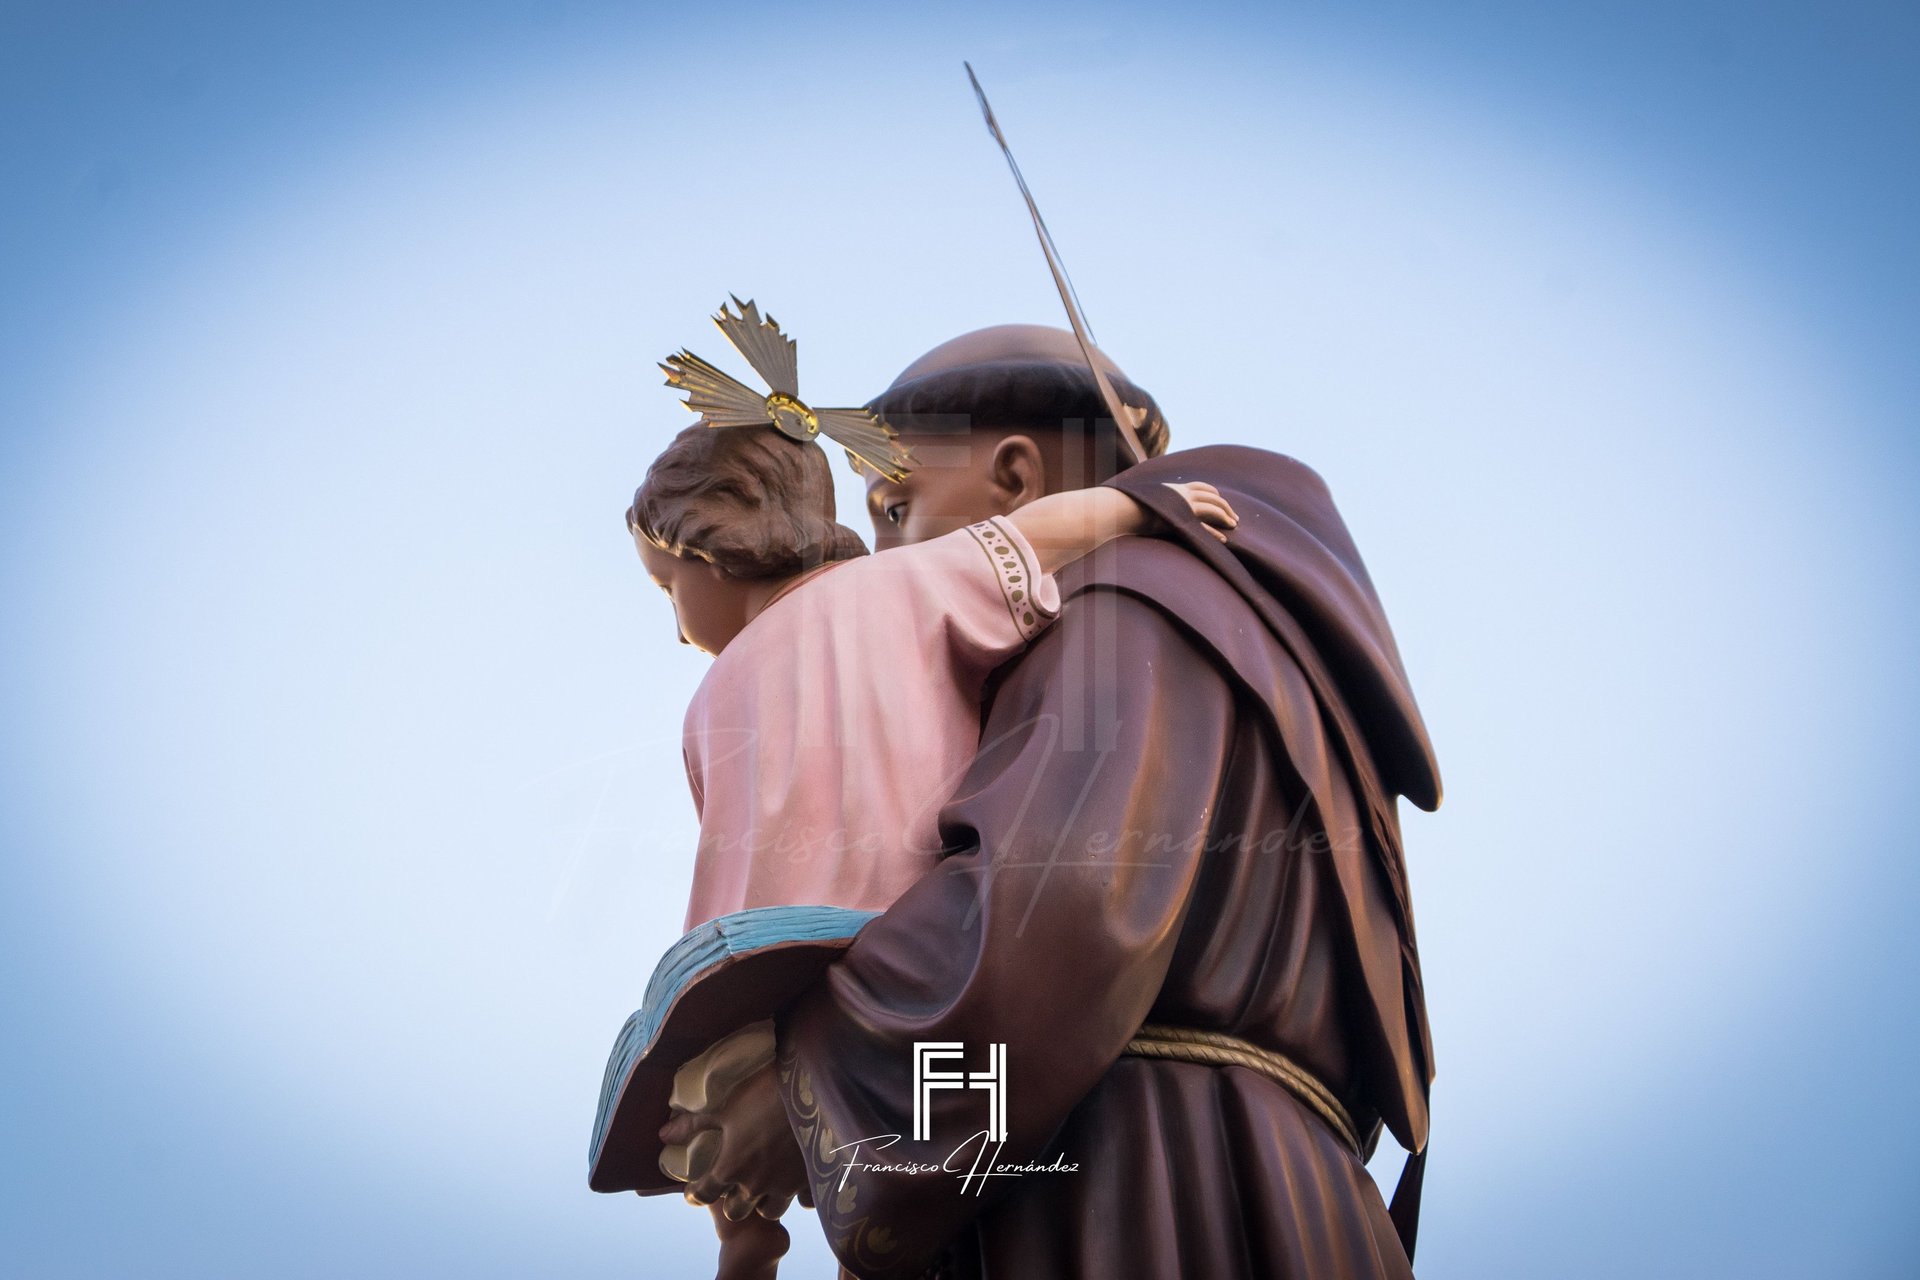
point(994, 419)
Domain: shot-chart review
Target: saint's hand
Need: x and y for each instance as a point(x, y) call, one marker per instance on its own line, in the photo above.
point(756, 1166)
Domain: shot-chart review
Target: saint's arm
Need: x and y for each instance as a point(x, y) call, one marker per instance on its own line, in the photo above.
point(1050, 933)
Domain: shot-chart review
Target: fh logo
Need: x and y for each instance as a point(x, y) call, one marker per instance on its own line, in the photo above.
point(927, 1078)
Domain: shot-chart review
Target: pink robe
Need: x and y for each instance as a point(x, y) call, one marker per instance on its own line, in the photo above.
point(828, 735)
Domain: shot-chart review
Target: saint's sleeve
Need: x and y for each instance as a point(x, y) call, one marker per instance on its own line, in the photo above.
point(1050, 933)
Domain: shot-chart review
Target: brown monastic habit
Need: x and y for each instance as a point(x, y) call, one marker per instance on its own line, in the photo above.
point(1182, 814)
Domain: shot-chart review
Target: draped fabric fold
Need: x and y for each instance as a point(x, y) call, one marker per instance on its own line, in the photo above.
point(1181, 814)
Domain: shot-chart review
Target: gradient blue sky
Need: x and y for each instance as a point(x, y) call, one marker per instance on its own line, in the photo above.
point(340, 817)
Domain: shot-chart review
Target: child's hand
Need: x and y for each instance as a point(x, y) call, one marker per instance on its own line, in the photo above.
point(751, 1248)
point(1208, 506)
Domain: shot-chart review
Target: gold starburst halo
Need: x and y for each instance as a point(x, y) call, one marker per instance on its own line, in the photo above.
point(725, 401)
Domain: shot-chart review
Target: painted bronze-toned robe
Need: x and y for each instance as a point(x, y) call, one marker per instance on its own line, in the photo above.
point(1182, 814)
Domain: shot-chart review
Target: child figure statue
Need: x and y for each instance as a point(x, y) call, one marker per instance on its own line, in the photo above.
point(844, 701)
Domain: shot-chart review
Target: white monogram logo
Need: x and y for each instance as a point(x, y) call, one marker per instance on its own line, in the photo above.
point(927, 1078)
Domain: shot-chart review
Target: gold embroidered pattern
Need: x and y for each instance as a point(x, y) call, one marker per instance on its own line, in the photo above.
point(1017, 578)
point(854, 1239)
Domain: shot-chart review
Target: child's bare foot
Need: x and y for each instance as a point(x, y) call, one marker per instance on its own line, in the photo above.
point(751, 1248)
point(1208, 506)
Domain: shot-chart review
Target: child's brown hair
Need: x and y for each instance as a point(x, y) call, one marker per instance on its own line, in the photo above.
point(746, 499)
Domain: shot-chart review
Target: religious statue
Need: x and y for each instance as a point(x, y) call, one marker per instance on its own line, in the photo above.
point(1107, 819)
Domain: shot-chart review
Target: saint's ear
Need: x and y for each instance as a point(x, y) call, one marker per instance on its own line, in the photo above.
point(1018, 471)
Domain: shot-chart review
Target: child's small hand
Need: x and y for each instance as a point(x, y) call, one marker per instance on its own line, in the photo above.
point(1208, 506)
point(751, 1248)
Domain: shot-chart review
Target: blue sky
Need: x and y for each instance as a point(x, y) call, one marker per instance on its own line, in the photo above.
point(340, 819)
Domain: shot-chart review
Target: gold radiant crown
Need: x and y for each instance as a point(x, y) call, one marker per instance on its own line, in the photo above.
point(725, 401)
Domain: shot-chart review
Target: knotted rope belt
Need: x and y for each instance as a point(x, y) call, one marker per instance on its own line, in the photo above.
point(1214, 1049)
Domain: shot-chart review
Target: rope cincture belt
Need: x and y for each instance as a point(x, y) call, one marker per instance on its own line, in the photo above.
point(1214, 1049)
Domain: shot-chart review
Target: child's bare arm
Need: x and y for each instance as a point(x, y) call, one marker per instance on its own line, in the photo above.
point(1062, 527)
point(751, 1248)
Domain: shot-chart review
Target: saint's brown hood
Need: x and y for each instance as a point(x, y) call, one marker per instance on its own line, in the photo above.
point(1292, 560)
point(1288, 591)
